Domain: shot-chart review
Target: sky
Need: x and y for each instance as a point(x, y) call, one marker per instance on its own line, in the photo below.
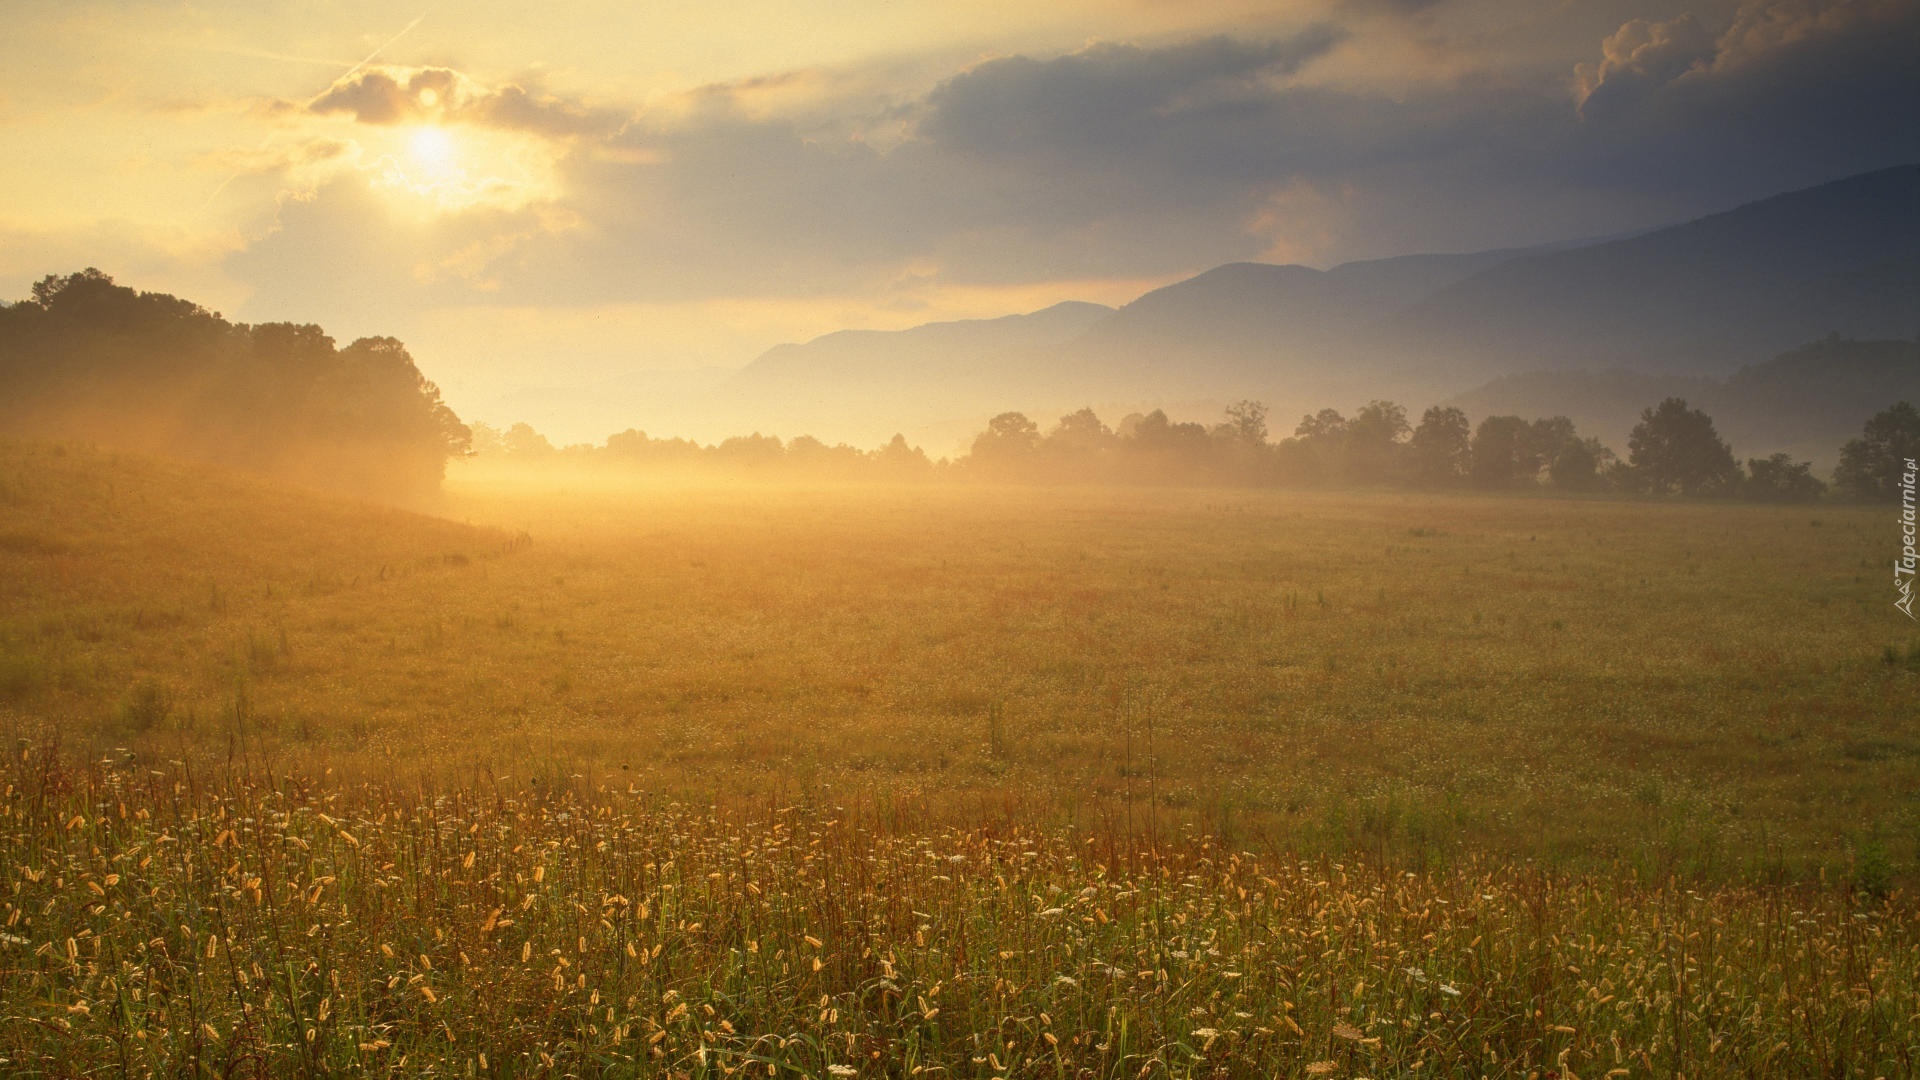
point(554, 196)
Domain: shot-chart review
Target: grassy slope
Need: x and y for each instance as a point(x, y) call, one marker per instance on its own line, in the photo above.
point(118, 570)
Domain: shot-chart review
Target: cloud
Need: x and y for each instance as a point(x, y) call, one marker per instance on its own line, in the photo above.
point(1096, 104)
point(345, 255)
point(434, 95)
point(294, 158)
point(1116, 160)
point(1643, 55)
point(1788, 93)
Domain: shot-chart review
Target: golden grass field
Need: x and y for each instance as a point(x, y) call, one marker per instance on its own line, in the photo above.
point(947, 780)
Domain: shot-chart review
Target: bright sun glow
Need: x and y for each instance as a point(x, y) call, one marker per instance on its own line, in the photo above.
point(437, 169)
point(432, 147)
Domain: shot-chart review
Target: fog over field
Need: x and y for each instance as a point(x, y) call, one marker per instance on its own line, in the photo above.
point(914, 540)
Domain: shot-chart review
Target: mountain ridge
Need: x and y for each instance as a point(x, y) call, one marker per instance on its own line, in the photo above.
point(1698, 298)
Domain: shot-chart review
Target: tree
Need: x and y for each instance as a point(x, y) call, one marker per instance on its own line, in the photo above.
point(750, 451)
point(1081, 432)
point(1547, 438)
point(1675, 448)
point(1007, 445)
point(899, 458)
point(522, 441)
point(1870, 466)
point(1441, 447)
point(1781, 479)
point(1503, 453)
point(88, 357)
point(490, 441)
point(1248, 422)
point(1580, 465)
point(1323, 426)
point(1374, 438)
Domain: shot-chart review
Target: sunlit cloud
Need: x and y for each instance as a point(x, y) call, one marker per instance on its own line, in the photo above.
point(437, 95)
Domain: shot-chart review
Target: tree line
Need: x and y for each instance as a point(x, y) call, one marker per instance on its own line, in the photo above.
point(85, 357)
point(1675, 450)
point(801, 457)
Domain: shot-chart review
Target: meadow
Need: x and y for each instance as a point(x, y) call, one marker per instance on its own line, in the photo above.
point(593, 776)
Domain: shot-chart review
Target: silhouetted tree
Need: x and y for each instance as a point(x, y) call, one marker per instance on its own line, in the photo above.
point(1441, 448)
point(1325, 425)
point(749, 451)
point(1157, 449)
point(1871, 465)
point(85, 356)
point(1547, 438)
point(1374, 439)
point(1081, 433)
point(523, 442)
point(485, 440)
point(898, 459)
point(1317, 453)
point(1247, 420)
point(1781, 479)
point(1503, 453)
point(1581, 465)
point(1006, 447)
point(1675, 448)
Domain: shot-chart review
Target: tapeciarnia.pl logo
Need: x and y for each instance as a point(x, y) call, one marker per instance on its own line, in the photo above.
point(1903, 566)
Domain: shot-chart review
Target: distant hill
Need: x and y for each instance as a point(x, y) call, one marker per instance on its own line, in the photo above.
point(939, 350)
point(1694, 300)
point(1252, 324)
point(1703, 297)
point(931, 381)
point(1807, 401)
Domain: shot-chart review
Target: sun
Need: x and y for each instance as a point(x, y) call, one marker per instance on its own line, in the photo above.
point(439, 168)
point(433, 149)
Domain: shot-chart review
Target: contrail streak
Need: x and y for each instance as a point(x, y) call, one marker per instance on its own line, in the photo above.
point(370, 57)
point(389, 44)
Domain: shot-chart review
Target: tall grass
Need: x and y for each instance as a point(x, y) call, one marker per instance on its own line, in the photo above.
point(166, 921)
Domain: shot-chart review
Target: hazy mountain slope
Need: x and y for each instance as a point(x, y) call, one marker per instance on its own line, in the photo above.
point(1700, 297)
point(1235, 331)
point(1696, 299)
point(931, 350)
point(1251, 324)
point(935, 382)
point(1807, 401)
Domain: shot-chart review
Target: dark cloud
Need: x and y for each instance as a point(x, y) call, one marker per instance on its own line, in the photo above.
point(1640, 57)
point(518, 109)
point(1101, 101)
point(442, 95)
point(374, 97)
point(1131, 161)
point(1789, 93)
